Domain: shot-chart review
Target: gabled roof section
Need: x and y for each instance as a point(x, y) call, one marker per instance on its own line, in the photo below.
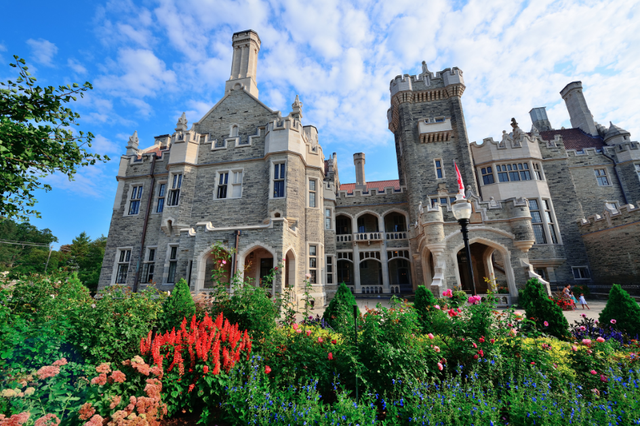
point(574, 138)
point(229, 94)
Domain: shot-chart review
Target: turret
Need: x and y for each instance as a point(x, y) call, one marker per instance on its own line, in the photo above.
point(539, 119)
point(578, 110)
point(616, 135)
point(246, 45)
point(358, 161)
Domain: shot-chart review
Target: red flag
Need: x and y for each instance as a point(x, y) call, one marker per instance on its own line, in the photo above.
point(460, 184)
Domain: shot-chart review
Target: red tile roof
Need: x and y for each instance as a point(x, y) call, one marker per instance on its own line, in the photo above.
point(574, 138)
point(378, 185)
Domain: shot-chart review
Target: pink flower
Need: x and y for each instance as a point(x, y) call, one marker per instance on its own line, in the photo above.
point(513, 332)
point(437, 349)
point(546, 324)
point(224, 262)
point(481, 340)
point(307, 276)
point(86, 411)
point(603, 378)
point(115, 401)
point(586, 342)
point(430, 336)
point(474, 345)
point(48, 420)
point(436, 306)
point(295, 326)
point(613, 321)
point(481, 353)
point(440, 367)
point(298, 330)
point(452, 313)
point(583, 315)
point(533, 363)
point(574, 348)
point(267, 370)
point(492, 341)
point(459, 310)
point(600, 339)
point(275, 269)
point(103, 368)
point(60, 362)
point(330, 356)
point(475, 356)
point(118, 376)
point(320, 340)
point(100, 380)
point(205, 369)
point(448, 293)
point(593, 372)
point(308, 333)
point(284, 259)
point(48, 371)
point(583, 328)
point(472, 300)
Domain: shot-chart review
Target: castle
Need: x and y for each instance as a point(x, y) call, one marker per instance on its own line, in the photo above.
point(260, 185)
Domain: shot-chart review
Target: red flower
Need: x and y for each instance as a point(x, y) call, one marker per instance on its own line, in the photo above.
point(205, 369)
point(334, 342)
point(475, 357)
point(267, 370)
point(191, 386)
point(533, 363)
point(330, 356)
point(481, 340)
point(481, 353)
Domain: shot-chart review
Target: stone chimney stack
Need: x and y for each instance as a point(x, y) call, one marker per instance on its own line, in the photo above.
point(539, 119)
point(578, 110)
point(246, 45)
point(358, 160)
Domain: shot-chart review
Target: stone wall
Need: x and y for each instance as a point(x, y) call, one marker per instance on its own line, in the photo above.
point(613, 246)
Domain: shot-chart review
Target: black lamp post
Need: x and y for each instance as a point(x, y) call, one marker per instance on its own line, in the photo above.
point(462, 212)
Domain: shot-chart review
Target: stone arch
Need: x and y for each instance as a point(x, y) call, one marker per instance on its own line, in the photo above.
point(256, 267)
point(371, 279)
point(504, 252)
point(399, 212)
point(346, 228)
point(367, 225)
point(201, 268)
point(289, 278)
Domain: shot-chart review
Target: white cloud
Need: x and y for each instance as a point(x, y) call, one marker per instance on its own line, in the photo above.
point(76, 66)
point(3, 48)
point(43, 51)
point(102, 146)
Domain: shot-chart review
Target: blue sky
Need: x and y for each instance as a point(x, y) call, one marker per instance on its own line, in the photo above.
point(151, 60)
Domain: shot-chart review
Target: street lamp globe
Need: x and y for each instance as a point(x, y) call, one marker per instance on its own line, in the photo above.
point(461, 208)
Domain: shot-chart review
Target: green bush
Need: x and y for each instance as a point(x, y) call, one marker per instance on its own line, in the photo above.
point(339, 313)
point(624, 310)
point(432, 320)
point(176, 307)
point(542, 310)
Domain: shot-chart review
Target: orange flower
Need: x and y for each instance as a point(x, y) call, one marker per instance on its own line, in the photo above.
point(115, 401)
point(104, 368)
point(100, 380)
point(48, 371)
point(118, 376)
point(60, 362)
point(86, 411)
point(48, 420)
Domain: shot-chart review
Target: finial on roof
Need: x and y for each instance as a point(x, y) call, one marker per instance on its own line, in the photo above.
point(514, 123)
point(132, 145)
point(182, 123)
point(296, 108)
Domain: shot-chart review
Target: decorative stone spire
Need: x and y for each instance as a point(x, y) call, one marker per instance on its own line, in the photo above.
point(246, 45)
point(182, 123)
point(296, 108)
point(132, 145)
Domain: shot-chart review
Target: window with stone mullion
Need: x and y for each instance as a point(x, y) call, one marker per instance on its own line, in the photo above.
point(536, 222)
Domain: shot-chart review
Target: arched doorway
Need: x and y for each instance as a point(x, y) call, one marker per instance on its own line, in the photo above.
point(345, 273)
point(371, 276)
point(343, 225)
point(481, 269)
point(367, 223)
point(395, 222)
point(258, 264)
point(400, 274)
point(290, 270)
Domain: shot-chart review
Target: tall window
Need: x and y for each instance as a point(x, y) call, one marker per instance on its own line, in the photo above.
point(313, 264)
point(487, 175)
point(161, 192)
point(174, 193)
point(223, 180)
point(536, 222)
point(327, 218)
point(236, 183)
point(601, 177)
point(537, 168)
point(503, 176)
point(329, 270)
point(312, 193)
point(134, 204)
point(513, 172)
point(173, 264)
point(580, 272)
point(149, 266)
point(439, 172)
point(637, 166)
point(278, 180)
point(124, 257)
point(548, 215)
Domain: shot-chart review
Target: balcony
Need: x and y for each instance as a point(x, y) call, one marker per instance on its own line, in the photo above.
point(396, 235)
point(368, 236)
point(371, 236)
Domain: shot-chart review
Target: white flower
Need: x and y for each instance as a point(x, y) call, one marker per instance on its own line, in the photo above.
point(52, 296)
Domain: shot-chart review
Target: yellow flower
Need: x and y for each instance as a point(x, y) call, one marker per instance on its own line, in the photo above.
point(8, 393)
point(29, 391)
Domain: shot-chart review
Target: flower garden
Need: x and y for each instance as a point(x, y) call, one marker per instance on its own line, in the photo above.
point(238, 356)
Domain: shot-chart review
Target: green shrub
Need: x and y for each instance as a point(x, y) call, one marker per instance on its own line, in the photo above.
point(339, 313)
point(432, 320)
point(542, 310)
point(624, 310)
point(176, 307)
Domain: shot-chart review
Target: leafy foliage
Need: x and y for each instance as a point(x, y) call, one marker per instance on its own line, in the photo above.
point(27, 258)
point(339, 313)
point(622, 311)
point(36, 139)
point(542, 310)
point(176, 307)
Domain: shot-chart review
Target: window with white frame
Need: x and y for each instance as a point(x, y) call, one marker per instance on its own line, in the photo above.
point(637, 167)
point(329, 269)
point(487, 175)
point(174, 192)
point(134, 202)
point(161, 194)
point(278, 180)
point(580, 272)
point(537, 169)
point(513, 172)
point(229, 184)
point(124, 257)
point(439, 169)
point(223, 181)
point(601, 177)
point(173, 264)
point(148, 267)
point(236, 183)
point(327, 218)
point(313, 193)
point(313, 263)
point(536, 222)
point(548, 215)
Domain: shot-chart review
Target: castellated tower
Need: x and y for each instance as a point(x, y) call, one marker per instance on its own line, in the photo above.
point(578, 110)
point(246, 45)
point(430, 133)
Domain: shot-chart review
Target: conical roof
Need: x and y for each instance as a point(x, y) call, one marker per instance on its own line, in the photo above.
point(614, 131)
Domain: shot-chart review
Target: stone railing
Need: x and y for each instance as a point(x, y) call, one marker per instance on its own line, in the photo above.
point(372, 289)
point(395, 289)
point(396, 235)
point(343, 238)
point(367, 236)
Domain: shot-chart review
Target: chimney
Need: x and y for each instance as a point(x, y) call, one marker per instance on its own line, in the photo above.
point(358, 160)
point(578, 110)
point(539, 119)
point(246, 45)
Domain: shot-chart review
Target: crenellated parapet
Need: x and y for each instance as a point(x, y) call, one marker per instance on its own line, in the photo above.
point(389, 190)
point(609, 219)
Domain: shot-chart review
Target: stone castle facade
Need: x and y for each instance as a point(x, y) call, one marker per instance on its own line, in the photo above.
point(260, 185)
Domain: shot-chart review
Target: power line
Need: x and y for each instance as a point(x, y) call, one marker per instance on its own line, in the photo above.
point(24, 243)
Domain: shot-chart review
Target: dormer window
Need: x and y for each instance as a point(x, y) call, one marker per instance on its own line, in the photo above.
point(234, 131)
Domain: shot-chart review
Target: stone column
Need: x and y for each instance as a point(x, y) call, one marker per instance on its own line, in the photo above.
point(356, 268)
point(385, 269)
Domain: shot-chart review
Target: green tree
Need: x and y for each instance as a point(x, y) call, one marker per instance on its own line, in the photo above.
point(623, 309)
point(85, 256)
point(339, 313)
point(542, 310)
point(177, 307)
point(37, 139)
point(30, 256)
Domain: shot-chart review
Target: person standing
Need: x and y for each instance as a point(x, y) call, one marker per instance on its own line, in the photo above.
point(583, 302)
